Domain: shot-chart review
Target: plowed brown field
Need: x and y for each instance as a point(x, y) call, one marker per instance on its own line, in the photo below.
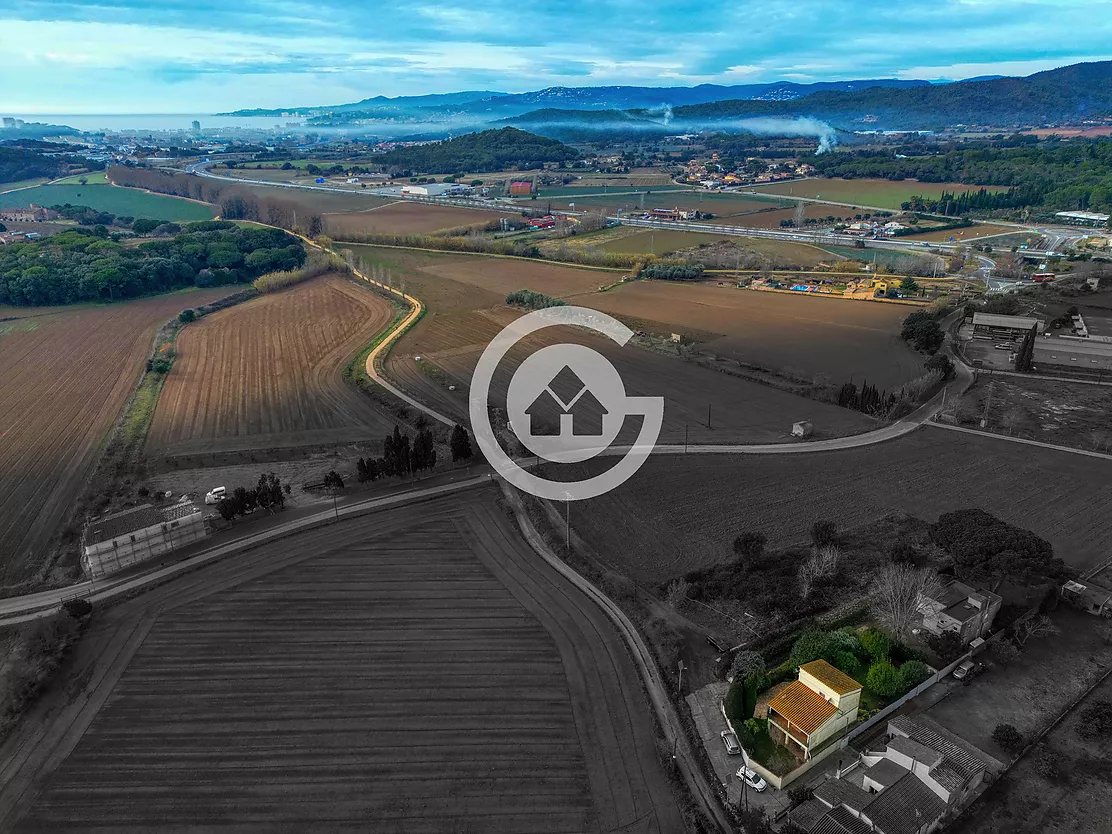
point(679, 513)
point(65, 376)
point(268, 373)
point(404, 217)
point(417, 670)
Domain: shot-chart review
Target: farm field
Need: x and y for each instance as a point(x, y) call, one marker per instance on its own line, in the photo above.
point(722, 206)
point(959, 235)
point(1062, 413)
point(9, 186)
point(413, 671)
point(648, 185)
point(772, 219)
point(679, 513)
point(268, 373)
point(814, 336)
point(90, 178)
point(126, 201)
point(886, 194)
point(666, 241)
point(66, 374)
point(465, 301)
point(404, 217)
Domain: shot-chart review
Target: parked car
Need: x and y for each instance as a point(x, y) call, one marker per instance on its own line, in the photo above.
point(752, 779)
point(215, 495)
point(968, 670)
point(733, 746)
point(1004, 346)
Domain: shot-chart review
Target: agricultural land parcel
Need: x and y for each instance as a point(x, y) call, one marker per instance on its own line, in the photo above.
point(66, 374)
point(416, 671)
point(664, 241)
point(887, 194)
point(465, 299)
point(1062, 413)
point(404, 217)
point(834, 337)
point(679, 513)
point(130, 202)
point(268, 373)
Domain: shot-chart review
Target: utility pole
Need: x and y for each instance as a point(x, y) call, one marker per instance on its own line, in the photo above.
point(567, 522)
point(335, 506)
point(988, 402)
point(679, 685)
point(709, 426)
point(685, 427)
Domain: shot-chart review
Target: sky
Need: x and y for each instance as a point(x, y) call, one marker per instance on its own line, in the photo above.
point(206, 56)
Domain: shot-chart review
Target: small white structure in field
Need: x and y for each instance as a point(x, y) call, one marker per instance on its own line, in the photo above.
point(802, 429)
point(676, 337)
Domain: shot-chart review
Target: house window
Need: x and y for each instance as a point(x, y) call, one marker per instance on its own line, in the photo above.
point(133, 539)
point(174, 523)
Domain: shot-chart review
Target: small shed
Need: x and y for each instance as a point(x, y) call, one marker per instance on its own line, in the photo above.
point(802, 429)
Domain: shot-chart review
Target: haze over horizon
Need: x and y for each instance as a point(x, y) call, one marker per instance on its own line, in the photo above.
point(205, 57)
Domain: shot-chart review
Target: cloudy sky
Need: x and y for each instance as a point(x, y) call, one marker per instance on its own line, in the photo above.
point(202, 56)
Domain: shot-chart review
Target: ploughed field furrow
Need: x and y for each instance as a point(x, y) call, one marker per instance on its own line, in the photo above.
point(272, 367)
point(389, 682)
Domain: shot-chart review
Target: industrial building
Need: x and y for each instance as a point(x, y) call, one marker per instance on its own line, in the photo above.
point(120, 540)
point(521, 188)
point(1082, 218)
point(993, 326)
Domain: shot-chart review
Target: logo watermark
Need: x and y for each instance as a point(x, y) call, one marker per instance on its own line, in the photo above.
point(566, 403)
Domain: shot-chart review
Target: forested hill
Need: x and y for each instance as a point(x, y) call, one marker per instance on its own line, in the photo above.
point(1066, 94)
point(491, 150)
point(25, 160)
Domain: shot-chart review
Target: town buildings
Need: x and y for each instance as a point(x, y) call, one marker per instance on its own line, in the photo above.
point(119, 540)
point(959, 609)
point(816, 707)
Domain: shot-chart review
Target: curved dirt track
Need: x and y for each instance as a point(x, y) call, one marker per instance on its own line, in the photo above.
point(269, 372)
point(417, 670)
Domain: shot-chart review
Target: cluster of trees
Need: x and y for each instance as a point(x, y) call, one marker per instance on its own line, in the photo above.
point(268, 494)
point(1054, 175)
point(870, 657)
point(86, 216)
point(867, 399)
point(82, 265)
point(531, 300)
point(490, 150)
point(984, 549)
point(671, 271)
point(25, 160)
point(922, 331)
point(400, 457)
point(236, 202)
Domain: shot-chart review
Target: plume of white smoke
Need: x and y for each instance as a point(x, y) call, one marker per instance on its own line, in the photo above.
point(799, 126)
point(667, 114)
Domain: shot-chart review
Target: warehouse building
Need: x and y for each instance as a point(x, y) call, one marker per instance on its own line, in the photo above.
point(1082, 218)
point(126, 538)
point(993, 326)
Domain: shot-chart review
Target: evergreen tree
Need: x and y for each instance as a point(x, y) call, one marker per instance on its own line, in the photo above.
point(1025, 356)
point(461, 444)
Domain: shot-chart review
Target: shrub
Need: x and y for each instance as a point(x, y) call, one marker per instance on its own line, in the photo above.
point(848, 663)
point(77, 608)
point(186, 316)
point(1008, 737)
point(746, 663)
point(913, 673)
point(844, 641)
point(750, 545)
point(824, 533)
point(875, 642)
point(735, 702)
point(36, 654)
point(1096, 720)
point(531, 300)
point(810, 645)
point(883, 679)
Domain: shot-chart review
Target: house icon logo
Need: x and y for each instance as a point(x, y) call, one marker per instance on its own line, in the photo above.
point(580, 414)
point(566, 403)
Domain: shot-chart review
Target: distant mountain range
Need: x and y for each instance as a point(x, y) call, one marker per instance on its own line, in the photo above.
point(502, 105)
point(1067, 94)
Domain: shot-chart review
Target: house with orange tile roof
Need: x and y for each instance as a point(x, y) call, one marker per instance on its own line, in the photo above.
point(819, 705)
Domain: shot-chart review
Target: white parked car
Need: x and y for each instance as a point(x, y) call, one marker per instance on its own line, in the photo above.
point(215, 495)
point(752, 779)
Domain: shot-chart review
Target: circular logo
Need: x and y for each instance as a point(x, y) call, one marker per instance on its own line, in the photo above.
point(566, 403)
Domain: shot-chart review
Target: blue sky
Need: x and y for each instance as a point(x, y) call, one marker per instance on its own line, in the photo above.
point(178, 56)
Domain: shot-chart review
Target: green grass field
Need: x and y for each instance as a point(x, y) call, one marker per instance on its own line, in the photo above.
point(8, 186)
point(884, 257)
point(659, 241)
point(881, 193)
point(561, 191)
point(91, 178)
point(123, 201)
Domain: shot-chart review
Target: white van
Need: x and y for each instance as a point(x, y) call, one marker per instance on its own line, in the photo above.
point(215, 495)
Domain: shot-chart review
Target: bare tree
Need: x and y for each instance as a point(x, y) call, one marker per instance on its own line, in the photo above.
point(1029, 627)
point(676, 596)
point(822, 562)
point(898, 591)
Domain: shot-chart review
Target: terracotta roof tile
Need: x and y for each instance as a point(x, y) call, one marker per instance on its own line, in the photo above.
point(802, 706)
point(835, 678)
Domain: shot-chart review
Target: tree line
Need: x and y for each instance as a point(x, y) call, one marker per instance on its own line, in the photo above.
point(84, 265)
point(489, 150)
point(20, 161)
